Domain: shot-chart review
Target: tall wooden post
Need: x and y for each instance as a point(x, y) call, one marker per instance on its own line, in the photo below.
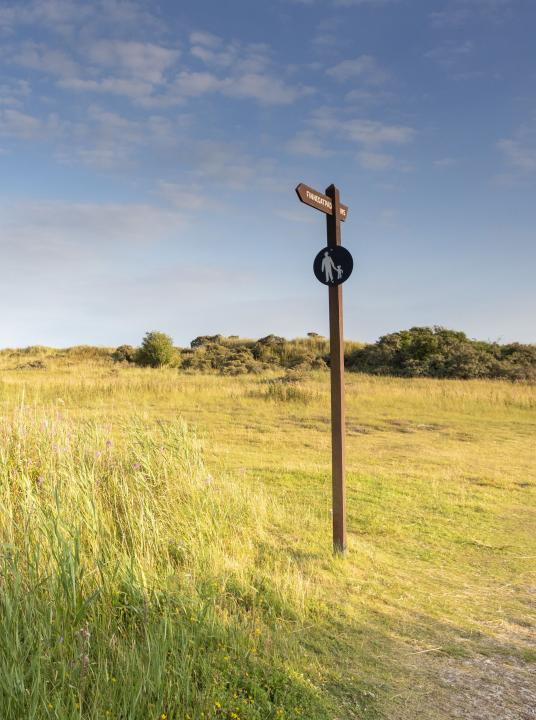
point(324, 267)
point(336, 341)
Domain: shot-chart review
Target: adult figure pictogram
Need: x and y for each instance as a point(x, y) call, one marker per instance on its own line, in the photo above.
point(328, 266)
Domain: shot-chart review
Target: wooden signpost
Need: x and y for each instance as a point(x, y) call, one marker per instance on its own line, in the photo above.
point(332, 267)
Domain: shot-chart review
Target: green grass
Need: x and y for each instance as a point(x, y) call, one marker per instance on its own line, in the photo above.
point(166, 542)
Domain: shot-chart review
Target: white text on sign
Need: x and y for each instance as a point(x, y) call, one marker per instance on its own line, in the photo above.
point(321, 200)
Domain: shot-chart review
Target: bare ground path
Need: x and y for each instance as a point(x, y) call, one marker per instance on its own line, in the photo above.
point(496, 686)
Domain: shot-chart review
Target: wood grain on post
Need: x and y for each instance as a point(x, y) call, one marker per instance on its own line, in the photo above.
point(336, 338)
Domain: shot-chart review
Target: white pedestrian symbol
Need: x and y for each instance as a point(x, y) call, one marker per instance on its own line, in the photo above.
point(339, 272)
point(328, 266)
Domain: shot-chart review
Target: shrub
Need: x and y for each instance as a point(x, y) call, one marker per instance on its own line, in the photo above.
point(156, 350)
point(438, 352)
point(124, 353)
point(202, 340)
point(33, 365)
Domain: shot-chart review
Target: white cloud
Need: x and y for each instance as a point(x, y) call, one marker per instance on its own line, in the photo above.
point(232, 166)
point(350, 3)
point(450, 55)
point(375, 161)
point(14, 92)
point(141, 71)
point(253, 58)
point(519, 155)
point(193, 84)
point(242, 58)
point(58, 15)
point(141, 60)
point(101, 60)
point(136, 90)
point(445, 162)
point(226, 163)
point(39, 57)
point(364, 68)
point(458, 12)
point(266, 89)
point(368, 97)
point(369, 133)
point(346, 3)
point(108, 140)
point(306, 143)
point(47, 231)
point(225, 58)
point(187, 198)
point(133, 69)
point(16, 124)
point(520, 150)
point(205, 39)
point(64, 16)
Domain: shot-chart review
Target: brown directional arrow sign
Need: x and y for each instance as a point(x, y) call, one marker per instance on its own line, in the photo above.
point(319, 201)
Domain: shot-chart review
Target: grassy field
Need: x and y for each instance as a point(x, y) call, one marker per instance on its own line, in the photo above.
point(166, 547)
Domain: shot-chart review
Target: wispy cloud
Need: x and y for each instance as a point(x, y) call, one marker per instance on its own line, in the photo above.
point(69, 243)
point(141, 60)
point(205, 39)
point(352, 3)
point(520, 150)
point(346, 3)
point(369, 133)
point(458, 12)
point(308, 144)
point(266, 89)
point(14, 92)
point(451, 54)
point(153, 75)
point(138, 91)
point(231, 165)
point(364, 68)
point(36, 56)
point(64, 16)
point(375, 161)
point(186, 198)
point(16, 124)
point(445, 162)
point(368, 97)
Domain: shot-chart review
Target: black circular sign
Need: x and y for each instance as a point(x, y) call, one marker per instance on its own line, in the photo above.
point(332, 266)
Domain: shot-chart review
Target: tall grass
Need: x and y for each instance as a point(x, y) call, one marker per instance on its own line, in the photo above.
point(133, 583)
point(130, 586)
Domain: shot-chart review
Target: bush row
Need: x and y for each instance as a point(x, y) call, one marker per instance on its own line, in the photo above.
point(417, 352)
point(437, 352)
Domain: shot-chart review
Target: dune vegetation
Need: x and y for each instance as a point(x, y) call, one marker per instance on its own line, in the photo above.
point(165, 545)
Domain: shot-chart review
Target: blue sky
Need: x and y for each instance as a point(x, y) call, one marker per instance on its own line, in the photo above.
point(149, 155)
